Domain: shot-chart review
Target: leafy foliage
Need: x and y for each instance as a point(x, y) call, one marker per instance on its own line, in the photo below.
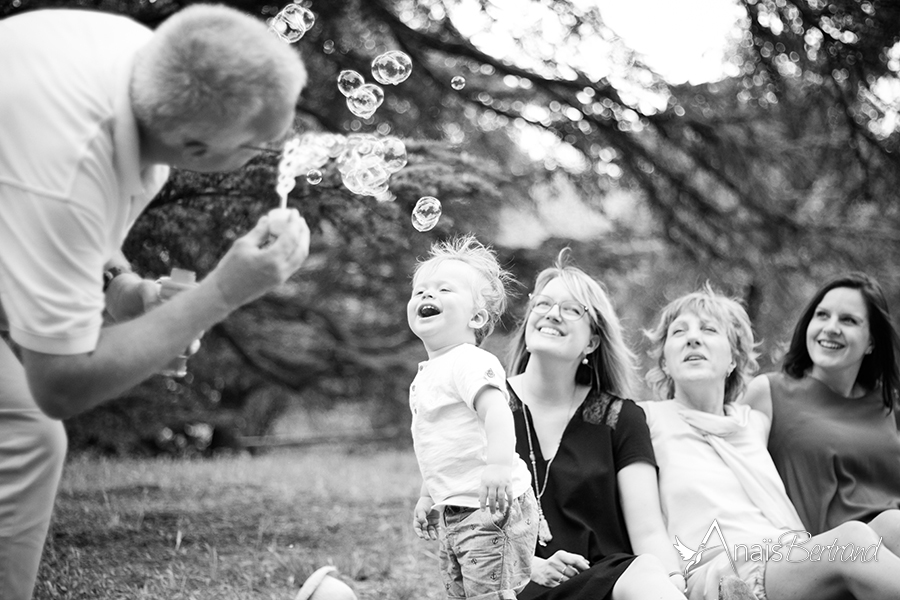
point(764, 182)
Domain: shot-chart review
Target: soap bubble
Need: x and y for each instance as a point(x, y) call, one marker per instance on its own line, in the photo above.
point(301, 16)
point(426, 213)
point(365, 100)
point(394, 153)
point(458, 82)
point(365, 161)
point(391, 67)
point(292, 22)
point(367, 144)
point(376, 91)
point(351, 181)
point(285, 185)
point(349, 81)
point(423, 225)
point(301, 154)
point(374, 176)
point(333, 143)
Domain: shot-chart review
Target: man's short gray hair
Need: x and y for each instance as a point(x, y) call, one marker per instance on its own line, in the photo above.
point(209, 65)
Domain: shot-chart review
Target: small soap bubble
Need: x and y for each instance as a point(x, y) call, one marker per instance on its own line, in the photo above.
point(375, 176)
point(376, 91)
point(378, 190)
point(385, 196)
point(349, 81)
point(394, 153)
point(314, 177)
point(426, 213)
point(458, 82)
point(365, 101)
point(336, 144)
point(352, 181)
point(285, 185)
point(391, 67)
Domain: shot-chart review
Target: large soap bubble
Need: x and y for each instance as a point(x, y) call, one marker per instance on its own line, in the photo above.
point(394, 153)
point(426, 213)
point(292, 22)
point(391, 67)
point(349, 81)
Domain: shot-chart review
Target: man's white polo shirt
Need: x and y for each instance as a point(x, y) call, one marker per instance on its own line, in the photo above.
point(71, 183)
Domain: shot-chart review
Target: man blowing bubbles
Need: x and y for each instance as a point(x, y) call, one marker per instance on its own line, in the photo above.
point(94, 109)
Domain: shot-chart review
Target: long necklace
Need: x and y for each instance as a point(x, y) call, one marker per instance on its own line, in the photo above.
point(544, 535)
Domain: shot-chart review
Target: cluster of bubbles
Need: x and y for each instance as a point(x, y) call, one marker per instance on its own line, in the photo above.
point(363, 99)
point(365, 162)
point(292, 22)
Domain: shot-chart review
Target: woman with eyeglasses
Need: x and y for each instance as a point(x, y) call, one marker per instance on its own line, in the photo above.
point(587, 447)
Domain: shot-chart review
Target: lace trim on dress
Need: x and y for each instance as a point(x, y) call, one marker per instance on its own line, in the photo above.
point(602, 408)
point(598, 408)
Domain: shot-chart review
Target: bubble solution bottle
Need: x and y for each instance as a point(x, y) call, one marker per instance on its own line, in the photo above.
point(178, 281)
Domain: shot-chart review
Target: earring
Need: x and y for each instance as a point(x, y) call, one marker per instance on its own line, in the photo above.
point(869, 350)
point(584, 360)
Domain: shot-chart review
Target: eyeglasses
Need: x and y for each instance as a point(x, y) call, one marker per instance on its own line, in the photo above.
point(568, 309)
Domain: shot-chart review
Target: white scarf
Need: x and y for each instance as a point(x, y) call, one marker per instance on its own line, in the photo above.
point(762, 485)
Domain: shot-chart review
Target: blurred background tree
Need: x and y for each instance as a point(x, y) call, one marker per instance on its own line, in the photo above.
point(765, 182)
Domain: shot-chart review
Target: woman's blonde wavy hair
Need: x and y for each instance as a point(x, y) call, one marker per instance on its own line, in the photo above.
point(724, 310)
point(610, 366)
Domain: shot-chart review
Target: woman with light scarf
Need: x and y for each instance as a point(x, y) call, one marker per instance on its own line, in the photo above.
point(725, 507)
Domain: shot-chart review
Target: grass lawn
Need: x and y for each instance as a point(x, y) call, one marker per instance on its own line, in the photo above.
point(238, 527)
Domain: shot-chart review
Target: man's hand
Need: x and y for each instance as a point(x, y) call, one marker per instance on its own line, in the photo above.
point(251, 267)
point(129, 296)
point(496, 488)
point(425, 519)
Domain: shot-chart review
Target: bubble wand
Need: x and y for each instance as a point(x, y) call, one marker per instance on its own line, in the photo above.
point(278, 217)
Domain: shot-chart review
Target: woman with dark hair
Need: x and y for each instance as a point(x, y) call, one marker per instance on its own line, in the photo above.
point(723, 501)
point(587, 448)
point(834, 435)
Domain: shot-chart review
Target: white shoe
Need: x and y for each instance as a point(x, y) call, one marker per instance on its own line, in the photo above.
point(322, 586)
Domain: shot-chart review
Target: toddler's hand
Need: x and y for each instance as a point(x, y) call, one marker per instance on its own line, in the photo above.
point(496, 487)
point(425, 519)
